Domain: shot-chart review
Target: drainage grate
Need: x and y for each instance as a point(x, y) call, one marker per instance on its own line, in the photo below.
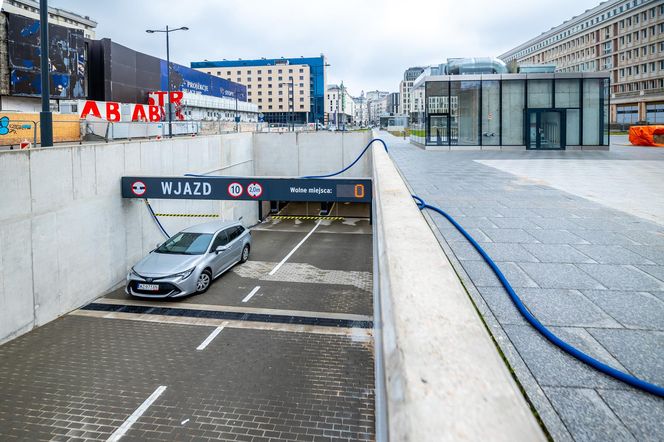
point(233, 316)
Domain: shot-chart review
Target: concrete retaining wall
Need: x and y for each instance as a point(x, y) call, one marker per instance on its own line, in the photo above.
point(311, 153)
point(443, 377)
point(66, 235)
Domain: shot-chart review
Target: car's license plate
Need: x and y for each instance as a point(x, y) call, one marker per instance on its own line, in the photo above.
point(150, 287)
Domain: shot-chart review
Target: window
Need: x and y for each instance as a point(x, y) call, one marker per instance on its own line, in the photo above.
point(260, 72)
point(269, 71)
point(220, 240)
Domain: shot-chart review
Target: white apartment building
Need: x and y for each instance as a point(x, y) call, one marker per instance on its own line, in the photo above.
point(339, 105)
point(623, 37)
point(405, 97)
point(361, 111)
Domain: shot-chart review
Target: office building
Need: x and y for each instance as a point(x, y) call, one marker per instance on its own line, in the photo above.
point(405, 98)
point(286, 90)
point(622, 37)
point(339, 105)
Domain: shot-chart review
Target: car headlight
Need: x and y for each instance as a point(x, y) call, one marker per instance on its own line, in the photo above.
point(132, 272)
point(183, 275)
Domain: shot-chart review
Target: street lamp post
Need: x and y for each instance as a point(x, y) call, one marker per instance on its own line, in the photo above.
point(168, 73)
point(45, 116)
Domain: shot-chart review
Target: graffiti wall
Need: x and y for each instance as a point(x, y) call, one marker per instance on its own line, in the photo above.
point(67, 56)
point(18, 127)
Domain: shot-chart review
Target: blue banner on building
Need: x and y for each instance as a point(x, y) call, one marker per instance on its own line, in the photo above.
point(190, 80)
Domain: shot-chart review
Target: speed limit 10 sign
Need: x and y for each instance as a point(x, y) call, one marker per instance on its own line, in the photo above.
point(235, 189)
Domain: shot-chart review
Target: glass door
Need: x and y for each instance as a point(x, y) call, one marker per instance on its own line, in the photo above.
point(437, 130)
point(546, 129)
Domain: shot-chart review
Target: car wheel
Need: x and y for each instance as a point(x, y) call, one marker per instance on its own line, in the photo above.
point(204, 281)
point(245, 254)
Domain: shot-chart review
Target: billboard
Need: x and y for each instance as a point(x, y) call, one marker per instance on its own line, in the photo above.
point(67, 57)
point(119, 73)
point(190, 80)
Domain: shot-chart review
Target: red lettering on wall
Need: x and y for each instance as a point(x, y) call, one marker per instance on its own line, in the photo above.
point(155, 113)
point(112, 111)
point(138, 114)
point(90, 108)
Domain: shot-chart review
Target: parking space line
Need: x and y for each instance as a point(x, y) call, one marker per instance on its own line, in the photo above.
point(209, 339)
point(117, 434)
point(252, 293)
point(278, 266)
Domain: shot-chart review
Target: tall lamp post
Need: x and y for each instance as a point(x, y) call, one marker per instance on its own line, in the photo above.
point(168, 73)
point(45, 116)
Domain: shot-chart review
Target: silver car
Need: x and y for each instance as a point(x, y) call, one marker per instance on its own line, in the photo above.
point(188, 261)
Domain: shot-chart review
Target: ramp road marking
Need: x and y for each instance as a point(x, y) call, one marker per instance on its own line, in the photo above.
point(117, 434)
point(278, 266)
point(252, 293)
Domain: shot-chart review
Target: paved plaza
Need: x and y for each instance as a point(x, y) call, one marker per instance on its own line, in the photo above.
point(580, 236)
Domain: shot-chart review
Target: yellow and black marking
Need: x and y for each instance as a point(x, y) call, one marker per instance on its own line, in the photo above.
point(189, 215)
point(332, 218)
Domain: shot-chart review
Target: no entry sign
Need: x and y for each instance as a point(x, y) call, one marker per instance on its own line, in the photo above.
point(253, 188)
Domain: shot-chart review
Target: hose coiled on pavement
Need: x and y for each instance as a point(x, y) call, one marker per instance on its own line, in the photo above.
point(532, 320)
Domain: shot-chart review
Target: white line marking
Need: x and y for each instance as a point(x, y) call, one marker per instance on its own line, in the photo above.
point(278, 266)
point(136, 414)
point(252, 293)
point(184, 421)
point(210, 338)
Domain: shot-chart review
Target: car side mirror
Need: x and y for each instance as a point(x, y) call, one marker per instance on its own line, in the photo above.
point(220, 249)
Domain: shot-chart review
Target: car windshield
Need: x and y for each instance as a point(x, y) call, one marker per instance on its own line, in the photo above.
point(186, 243)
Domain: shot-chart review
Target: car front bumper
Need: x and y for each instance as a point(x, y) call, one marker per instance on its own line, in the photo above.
point(168, 287)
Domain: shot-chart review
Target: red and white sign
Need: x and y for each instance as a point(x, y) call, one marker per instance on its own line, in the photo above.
point(138, 188)
point(254, 190)
point(235, 189)
point(112, 111)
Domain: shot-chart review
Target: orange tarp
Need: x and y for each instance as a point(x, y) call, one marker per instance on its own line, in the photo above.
point(647, 136)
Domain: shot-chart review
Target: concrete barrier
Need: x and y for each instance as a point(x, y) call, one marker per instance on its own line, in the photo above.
point(443, 377)
point(66, 235)
point(310, 153)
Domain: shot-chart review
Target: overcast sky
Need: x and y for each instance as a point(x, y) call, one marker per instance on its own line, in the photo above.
point(368, 43)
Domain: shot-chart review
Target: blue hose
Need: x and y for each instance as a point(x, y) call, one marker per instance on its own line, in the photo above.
point(532, 320)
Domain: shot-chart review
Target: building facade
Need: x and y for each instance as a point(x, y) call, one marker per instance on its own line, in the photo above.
point(56, 16)
point(405, 86)
point(339, 105)
point(20, 60)
point(361, 112)
point(376, 105)
point(538, 111)
point(286, 90)
point(622, 37)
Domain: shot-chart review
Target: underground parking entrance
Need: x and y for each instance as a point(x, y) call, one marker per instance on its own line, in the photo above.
point(279, 347)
